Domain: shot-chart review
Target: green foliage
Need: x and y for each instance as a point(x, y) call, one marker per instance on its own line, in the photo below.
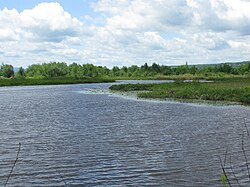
point(180, 70)
point(223, 180)
point(74, 70)
point(51, 81)
point(130, 87)
point(227, 90)
point(7, 70)
point(61, 69)
point(20, 73)
point(50, 70)
point(155, 71)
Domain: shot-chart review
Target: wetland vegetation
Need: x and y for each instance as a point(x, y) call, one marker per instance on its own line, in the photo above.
point(52, 81)
point(230, 89)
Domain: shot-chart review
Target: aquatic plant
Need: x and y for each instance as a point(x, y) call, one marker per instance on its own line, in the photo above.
point(232, 90)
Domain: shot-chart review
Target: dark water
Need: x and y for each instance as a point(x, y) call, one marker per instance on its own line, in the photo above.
point(75, 138)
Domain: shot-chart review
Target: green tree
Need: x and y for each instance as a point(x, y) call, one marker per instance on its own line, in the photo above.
point(193, 70)
point(20, 73)
point(36, 71)
point(144, 67)
point(7, 70)
point(75, 70)
point(156, 68)
point(165, 70)
point(180, 70)
point(244, 69)
point(115, 71)
point(225, 68)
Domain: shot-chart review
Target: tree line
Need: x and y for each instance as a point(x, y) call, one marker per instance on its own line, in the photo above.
point(74, 70)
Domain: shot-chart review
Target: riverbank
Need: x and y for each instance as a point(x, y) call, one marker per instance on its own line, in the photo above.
point(54, 81)
point(231, 90)
point(214, 76)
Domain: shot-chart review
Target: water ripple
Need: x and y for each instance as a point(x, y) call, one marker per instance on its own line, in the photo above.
point(75, 137)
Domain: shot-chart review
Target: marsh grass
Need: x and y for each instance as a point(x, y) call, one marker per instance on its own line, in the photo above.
point(51, 81)
point(232, 90)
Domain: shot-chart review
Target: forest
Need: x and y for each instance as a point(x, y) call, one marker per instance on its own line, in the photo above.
point(154, 71)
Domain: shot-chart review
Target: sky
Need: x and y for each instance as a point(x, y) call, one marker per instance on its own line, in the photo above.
point(124, 32)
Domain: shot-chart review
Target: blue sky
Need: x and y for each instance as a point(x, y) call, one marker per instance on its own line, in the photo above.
point(124, 32)
point(77, 8)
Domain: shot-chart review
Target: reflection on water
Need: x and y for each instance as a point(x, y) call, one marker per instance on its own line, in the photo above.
point(100, 140)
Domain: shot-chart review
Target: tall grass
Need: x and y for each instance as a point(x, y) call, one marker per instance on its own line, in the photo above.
point(237, 90)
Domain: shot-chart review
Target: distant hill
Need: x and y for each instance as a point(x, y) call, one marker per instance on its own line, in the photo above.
point(234, 64)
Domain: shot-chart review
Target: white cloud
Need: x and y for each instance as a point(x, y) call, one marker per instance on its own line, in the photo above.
point(34, 33)
point(126, 32)
point(7, 34)
point(49, 22)
point(222, 15)
point(46, 21)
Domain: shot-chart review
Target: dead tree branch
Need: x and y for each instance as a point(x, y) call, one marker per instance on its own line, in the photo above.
point(11, 171)
point(245, 156)
point(236, 179)
point(225, 173)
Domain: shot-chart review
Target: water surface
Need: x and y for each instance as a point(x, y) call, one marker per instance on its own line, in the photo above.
point(71, 136)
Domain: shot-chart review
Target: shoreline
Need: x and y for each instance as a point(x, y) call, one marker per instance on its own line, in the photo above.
point(54, 81)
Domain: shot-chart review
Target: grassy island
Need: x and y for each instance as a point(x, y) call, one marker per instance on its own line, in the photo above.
point(231, 89)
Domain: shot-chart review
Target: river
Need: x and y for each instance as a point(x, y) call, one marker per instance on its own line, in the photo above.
point(72, 137)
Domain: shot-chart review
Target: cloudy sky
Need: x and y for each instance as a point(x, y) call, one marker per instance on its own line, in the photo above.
point(124, 32)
